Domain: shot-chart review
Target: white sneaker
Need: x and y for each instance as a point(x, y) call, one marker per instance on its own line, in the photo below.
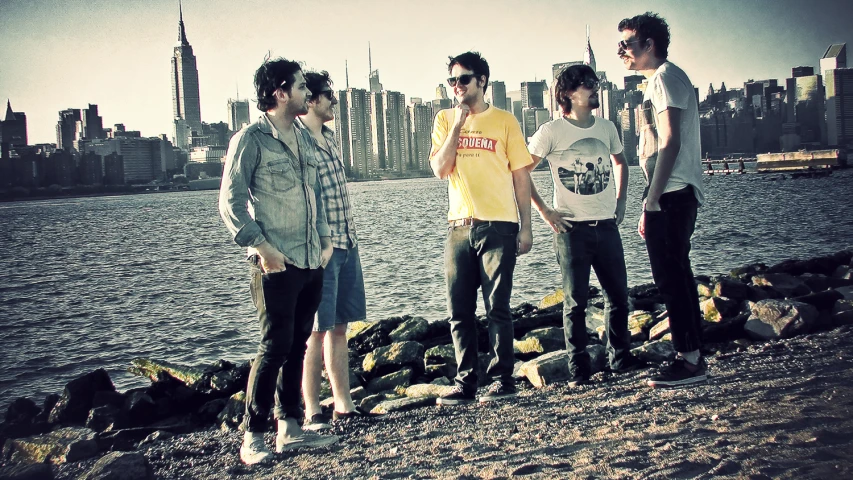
point(254, 450)
point(306, 439)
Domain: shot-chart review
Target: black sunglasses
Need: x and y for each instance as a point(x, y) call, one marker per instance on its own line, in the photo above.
point(464, 79)
point(590, 83)
point(623, 45)
point(330, 94)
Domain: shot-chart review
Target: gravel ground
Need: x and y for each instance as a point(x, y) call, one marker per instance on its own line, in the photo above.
point(771, 410)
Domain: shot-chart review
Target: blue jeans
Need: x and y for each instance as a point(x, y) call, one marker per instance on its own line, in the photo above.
point(587, 246)
point(343, 291)
point(481, 255)
point(286, 303)
point(668, 235)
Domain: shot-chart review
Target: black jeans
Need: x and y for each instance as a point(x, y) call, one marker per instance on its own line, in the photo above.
point(597, 247)
point(668, 235)
point(286, 303)
point(481, 255)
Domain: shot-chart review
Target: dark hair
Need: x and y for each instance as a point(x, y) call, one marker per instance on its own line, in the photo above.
point(272, 75)
point(472, 61)
point(649, 25)
point(317, 82)
point(568, 81)
point(590, 166)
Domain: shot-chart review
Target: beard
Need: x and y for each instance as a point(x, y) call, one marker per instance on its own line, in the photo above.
point(594, 103)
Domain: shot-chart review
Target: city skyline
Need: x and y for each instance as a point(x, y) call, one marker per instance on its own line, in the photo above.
point(115, 58)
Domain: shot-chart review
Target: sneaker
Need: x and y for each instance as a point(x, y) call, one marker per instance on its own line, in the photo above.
point(317, 422)
point(306, 439)
point(456, 396)
point(631, 364)
point(498, 391)
point(254, 450)
point(579, 379)
point(357, 413)
point(680, 373)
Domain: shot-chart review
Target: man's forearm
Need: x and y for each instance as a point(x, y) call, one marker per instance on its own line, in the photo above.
point(620, 174)
point(537, 199)
point(522, 185)
point(444, 160)
point(663, 170)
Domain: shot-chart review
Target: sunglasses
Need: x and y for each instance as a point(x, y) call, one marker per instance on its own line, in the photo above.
point(330, 94)
point(590, 83)
point(623, 45)
point(461, 79)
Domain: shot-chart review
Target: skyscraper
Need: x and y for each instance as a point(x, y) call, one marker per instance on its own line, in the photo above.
point(355, 133)
point(441, 92)
point(376, 115)
point(588, 56)
point(806, 106)
point(532, 94)
point(375, 86)
point(396, 138)
point(497, 94)
point(421, 119)
point(66, 128)
point(238, 114)
point(186, 105)
point(839, 95)
point(13, 127)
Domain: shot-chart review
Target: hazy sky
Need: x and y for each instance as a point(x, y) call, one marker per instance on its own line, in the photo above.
point(58, 54)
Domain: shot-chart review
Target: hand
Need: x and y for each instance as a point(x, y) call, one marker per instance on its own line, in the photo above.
point(559, 222)
point(272, 261)
point(462, 112)
point(641, 226)
point(524, 240)
point(651, 206)
point(326, 255)
point(620, 211)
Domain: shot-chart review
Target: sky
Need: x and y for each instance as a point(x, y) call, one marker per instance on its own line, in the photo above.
point(59, 54)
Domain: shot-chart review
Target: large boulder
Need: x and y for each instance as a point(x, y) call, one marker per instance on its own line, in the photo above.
point(552, 317)
point(554, 367)
point(145, 367)
point(22, 410)
point(640, 320)
point(745, 272)
point(440, 355)
point(374, 336)
point(412, 329)
point(402, 404)
point(823, 301)
point(393, 357)
point(552, 299)
point(140, 408)
point(732, 289)
point(717, 309)
point(102, 417)
point(659, 329)
point(76, 400)
point(773, 319)
point(120, 466)
point(67, 444)
point(428, 390)
point(400, 378)
point(656, 352)
point(788, 285)
point(231, 417)
point(539, 341)
point(842, 313)
point(825, 265)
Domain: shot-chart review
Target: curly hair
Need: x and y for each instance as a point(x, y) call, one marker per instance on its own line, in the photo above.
point(568, 81)
point(649, 25)
point(317, 81)
point(272, 75)
point(472, 61)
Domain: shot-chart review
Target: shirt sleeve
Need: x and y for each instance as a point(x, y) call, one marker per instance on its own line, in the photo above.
point(615, 144)
point(323, 228)
point(670, 92)
point(516, 150)
point(439, 132)
point(241, 160)
point(541, 143)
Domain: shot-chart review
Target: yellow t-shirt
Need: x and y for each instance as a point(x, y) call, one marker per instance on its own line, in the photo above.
point(490, 147)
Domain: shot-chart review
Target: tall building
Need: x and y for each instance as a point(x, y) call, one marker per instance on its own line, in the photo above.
point(13, 127)
point(533, 119)
point(632, 82)
point(375, 86)
point(806, 107)
point(342, 127)
point(441, 92)
point(186, 105)
point(421, 120)
point(839, 95)
point(396, 134)
point(376, 114)
point(532, 94)
point(238, 114)
point(355, 132)
point(91, 124)
point(588, 56)
point(66, 129)
point(802, 71)
point(497, 94)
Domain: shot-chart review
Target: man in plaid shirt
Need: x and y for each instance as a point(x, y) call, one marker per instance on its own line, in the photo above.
point(343, 284)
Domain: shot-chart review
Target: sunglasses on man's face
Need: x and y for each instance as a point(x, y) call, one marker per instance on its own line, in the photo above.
point(330, 94)
point(464, 79)
point(590, 83)
point(623, 45)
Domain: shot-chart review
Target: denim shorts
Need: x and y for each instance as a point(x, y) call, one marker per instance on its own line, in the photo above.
point(343, 291)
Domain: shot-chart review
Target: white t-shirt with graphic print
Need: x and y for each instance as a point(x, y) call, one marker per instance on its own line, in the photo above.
point(581, 167)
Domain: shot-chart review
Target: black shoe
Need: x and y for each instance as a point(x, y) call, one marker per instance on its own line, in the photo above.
point(631, 364)
point(579, 379)
point(316, 423)
point(498, 391)
point(456, 396)
point(357, 413)
point(680, 373)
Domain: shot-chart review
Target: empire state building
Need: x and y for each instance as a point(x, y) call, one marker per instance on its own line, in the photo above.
point(185, 98)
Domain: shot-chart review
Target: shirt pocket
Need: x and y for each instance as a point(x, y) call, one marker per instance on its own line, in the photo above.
point(311, 166)
point(282, 174)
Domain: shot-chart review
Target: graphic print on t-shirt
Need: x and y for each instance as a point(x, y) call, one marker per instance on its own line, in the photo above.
point(584, 168)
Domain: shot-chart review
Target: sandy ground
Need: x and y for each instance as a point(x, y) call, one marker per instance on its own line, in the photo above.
point(781, 409)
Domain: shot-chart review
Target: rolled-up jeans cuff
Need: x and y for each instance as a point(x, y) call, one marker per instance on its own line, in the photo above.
point(281, 413)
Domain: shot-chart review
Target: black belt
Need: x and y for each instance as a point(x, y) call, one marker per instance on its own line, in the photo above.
point(593, 223)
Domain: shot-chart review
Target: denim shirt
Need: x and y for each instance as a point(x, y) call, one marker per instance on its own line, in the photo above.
point(269, 193)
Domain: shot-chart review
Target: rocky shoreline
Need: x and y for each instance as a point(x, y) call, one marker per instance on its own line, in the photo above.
point(777, 339)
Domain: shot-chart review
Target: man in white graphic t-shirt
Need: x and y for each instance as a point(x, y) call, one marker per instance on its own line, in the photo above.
point(585, 221)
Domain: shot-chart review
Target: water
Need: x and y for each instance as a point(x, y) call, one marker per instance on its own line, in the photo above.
point(96, 282)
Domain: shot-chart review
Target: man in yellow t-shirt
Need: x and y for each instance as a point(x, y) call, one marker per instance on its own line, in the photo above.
point(480, 150)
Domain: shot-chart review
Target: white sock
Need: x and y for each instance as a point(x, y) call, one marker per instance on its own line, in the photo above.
point(690, 357)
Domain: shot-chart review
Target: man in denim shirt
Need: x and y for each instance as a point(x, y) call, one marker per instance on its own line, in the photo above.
point(271, 203)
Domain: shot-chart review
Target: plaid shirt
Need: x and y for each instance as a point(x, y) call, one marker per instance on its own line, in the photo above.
point(333, 185)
